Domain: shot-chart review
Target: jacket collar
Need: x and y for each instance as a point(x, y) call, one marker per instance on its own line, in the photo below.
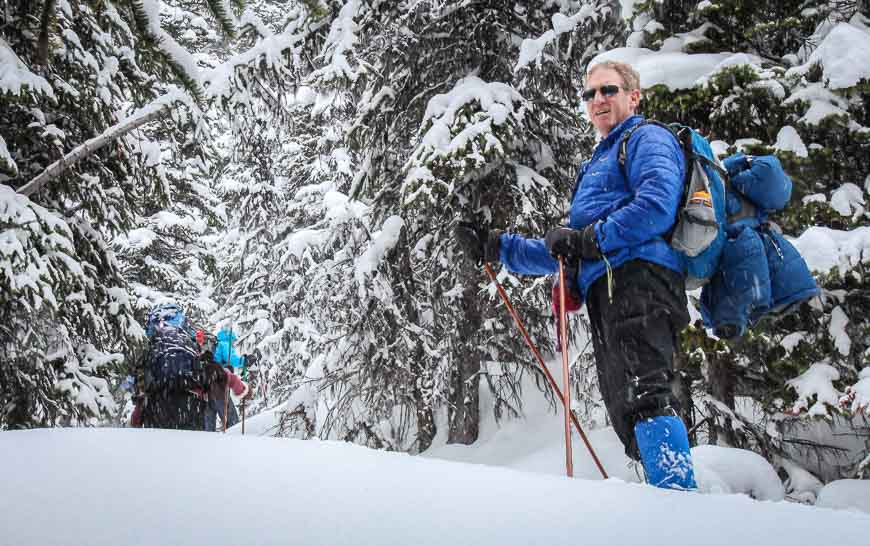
point(616, 134)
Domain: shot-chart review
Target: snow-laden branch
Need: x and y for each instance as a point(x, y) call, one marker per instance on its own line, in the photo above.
point(466, 130)
point(339, 43)
point(272, 53)
point(816, 384)
point(15, 77)
point(146, 114)
point(842, 56)
point(146, 14)
point(531, 48)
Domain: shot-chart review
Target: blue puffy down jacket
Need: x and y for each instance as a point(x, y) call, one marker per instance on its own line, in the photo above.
point(790, 278)
point(760, 271)
point(631, 214)
point(740, 288)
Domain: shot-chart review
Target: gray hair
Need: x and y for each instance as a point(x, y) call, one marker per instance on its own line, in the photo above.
point(630, 77)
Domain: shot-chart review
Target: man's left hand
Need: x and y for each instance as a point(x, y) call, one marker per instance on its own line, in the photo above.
point(573, 244)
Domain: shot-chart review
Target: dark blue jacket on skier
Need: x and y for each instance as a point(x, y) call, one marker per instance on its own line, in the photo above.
point(631, 215)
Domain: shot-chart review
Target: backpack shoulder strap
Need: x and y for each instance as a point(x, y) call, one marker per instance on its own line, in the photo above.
point(623, 142)
point(683, 134)
point(684, 137)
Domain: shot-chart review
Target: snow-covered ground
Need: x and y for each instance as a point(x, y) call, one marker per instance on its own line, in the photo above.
point(146, 487)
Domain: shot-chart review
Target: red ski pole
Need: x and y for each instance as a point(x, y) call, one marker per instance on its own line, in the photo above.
point(226, 404)
point(566, 376)
point(227, 390)
point(540, 359)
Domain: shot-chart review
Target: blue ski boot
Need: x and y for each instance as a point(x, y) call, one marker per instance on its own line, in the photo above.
point(664, 450)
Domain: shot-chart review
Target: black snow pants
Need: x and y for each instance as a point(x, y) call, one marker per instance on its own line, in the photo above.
point(635, 338)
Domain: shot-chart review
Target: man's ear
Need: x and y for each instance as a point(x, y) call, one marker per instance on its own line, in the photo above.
point(634, 97)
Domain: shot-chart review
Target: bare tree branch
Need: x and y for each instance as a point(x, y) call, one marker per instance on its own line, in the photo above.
point(155, 110)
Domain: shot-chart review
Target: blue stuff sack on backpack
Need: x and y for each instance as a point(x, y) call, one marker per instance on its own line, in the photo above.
point(750, 284)
point(741, 288)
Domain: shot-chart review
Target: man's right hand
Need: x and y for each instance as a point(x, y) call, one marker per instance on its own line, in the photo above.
point(478, 244)
point(573, 244)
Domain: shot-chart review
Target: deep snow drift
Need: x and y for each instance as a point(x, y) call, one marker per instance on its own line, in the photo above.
point(146, 487)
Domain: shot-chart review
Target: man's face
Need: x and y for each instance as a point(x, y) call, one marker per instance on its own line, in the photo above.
point(608, 112)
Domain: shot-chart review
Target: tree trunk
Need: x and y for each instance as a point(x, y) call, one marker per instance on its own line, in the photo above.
point(463, 413)
point(682, 385)
point(156, 110)
point(421, 389)
point(425, 421)
point(721, 388)
point(464, 410)
point(44, 31)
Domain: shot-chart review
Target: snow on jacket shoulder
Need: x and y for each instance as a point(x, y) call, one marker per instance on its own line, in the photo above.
point(632, 208)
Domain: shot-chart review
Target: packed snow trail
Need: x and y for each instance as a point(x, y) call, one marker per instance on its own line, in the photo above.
point(147, 487)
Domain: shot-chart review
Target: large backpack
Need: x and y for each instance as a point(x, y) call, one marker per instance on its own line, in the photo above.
point(173, 360)
point(699, 232)
point(746, 267)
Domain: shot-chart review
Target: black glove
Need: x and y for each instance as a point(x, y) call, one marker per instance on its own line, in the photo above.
point(251, 359)
point(573, 244)
point(477, 243)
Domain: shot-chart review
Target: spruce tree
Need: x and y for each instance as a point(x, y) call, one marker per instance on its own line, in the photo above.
point(166, 256)
point(390, 326)
point(264, 159)
point(85, 76)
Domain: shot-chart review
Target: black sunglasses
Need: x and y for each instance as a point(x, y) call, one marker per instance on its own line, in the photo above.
point(608, 90)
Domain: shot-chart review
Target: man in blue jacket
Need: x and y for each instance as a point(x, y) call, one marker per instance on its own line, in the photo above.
point(630, 277)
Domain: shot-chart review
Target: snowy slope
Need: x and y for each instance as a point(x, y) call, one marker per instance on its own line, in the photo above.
point(535, 443)
point(147, 487)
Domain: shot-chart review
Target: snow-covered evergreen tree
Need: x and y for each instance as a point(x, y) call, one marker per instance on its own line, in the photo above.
point(79, 79)
point(412, 116)
point(265, 149)
point(167, 255)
